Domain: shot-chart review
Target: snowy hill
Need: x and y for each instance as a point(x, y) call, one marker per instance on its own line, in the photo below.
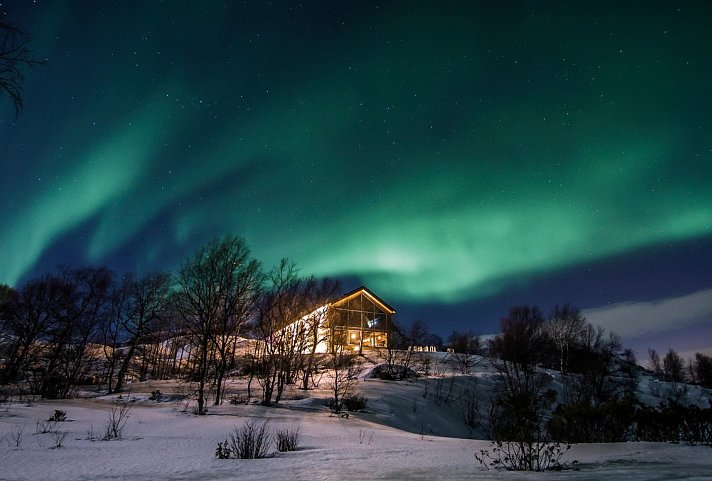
point(413, 429)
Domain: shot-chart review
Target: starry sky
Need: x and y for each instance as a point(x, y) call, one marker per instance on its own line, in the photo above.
point(458, 157)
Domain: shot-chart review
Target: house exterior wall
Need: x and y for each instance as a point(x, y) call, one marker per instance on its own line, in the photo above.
point(357, 321)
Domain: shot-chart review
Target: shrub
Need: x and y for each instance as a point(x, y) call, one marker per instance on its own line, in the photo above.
point(155, 396)
point(250, 441)
point(58, 437)
point(673, 422)
point(287, 439)
point(393, 372)
point(583, 422)
point(16, 435)
point(58, 416)
point(223, 451)
point(355, 402)
point(522, 456)
point(235, 400)
point(45, 426)
point(118, 416)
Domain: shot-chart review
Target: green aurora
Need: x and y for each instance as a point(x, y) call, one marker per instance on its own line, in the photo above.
point(437, 151)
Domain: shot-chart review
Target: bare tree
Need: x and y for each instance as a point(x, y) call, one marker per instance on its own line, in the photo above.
point(521, 403)
point(655, 363)
point(343, 371)
point(175, 343)
point(210, 288)
point(6, 293)
point(564, 326)
point(594, 382)
point(79, 314)
point(15, 55)
point(518, 347)
point(466, 349)
point(397, 352)
point(674, 367)
point(112, 334)
point(703, 369)
point(27, 319)
point(53, 322)
point(284, 327)
point(320, 294)
point(399, 355)
point(239, 309)
point(148, 299)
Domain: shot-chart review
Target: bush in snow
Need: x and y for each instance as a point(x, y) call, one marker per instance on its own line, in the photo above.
point(355, 402)
point(250, 441)
point(584, 422)
point(118, 416)
point(58, 416)
point(287, 439)
point(47, 426)
point(59, 437)
point(223, 451)
point(673, 422)
point(522, 400)
point(392, 372)
point(239, 400)
point(16, 435)
point(518, 456)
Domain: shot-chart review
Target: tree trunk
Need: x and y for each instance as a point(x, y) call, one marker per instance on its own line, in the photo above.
point(124, 367)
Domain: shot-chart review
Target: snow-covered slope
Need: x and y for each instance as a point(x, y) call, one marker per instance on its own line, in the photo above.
point(410, 430)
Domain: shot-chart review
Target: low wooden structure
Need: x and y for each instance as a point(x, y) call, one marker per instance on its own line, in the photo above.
point(356, 321)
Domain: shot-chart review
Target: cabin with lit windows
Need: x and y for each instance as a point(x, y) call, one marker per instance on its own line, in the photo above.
point(356, 321)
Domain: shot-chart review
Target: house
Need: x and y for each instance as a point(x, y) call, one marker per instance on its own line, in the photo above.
point(356, 321)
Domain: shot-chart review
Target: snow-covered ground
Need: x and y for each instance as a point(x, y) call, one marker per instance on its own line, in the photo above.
point(412, 431)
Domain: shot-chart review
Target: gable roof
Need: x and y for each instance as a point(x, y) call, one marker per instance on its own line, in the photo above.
point(366, 292)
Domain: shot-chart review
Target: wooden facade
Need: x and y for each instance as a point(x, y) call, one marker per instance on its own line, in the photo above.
point(356, 321)
point(360, 320)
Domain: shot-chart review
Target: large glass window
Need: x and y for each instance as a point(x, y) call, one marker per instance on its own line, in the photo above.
point(365, 324)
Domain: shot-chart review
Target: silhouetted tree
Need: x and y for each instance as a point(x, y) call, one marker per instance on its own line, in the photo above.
point(6, 341)
point(655, 363)
point(5, 293)
point(28, 318)
point(673, 367)
point(78, 311)
point(210, 286)
point(342, 370)
point(466, 348)
point(239, 309)
point(519, 347)
point(285, 328)
point(565, 326)
point(319, 293)
point(397, 356)
point(521, 402)
point(112, 334)
point(148, 299)
point(15, 55)
point(593, 365)
point(703, 369)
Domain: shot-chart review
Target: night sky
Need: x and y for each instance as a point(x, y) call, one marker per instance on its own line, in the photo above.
point(458, 158)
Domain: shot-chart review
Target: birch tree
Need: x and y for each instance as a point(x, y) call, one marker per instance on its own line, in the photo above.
point(565, 327)
point(211, 289)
